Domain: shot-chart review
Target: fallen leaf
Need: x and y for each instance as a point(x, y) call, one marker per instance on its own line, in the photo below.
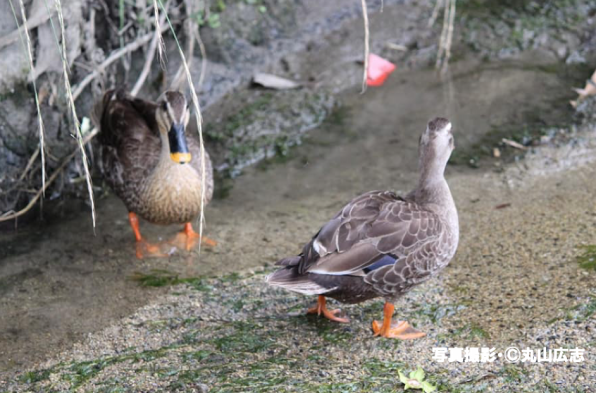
point(514, 144)
point(275, 82)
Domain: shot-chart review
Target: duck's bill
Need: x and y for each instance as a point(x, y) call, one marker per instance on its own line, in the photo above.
point(179, 152)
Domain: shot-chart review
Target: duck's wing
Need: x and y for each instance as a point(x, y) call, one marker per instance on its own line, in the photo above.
point(122, 118)
point(373, 233)
point(129, 138)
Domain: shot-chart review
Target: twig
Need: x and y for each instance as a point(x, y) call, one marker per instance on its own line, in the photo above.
point(32, 23)
point(366, 45)
point(112, 58)
point(149, 60)
point(29, 51)
point(51, 179)
point(449, 36)
point(435, 13)
point(443, 38)
point(29, 165)
point(444, 52)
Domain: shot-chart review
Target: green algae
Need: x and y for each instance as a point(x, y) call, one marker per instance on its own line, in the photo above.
point(587, 259)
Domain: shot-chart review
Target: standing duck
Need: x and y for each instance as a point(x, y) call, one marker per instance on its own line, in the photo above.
point(380, 244)
point(151, 166)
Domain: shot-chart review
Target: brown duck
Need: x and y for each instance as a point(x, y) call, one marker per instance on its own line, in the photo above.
point(380, 244)
point(151, 165)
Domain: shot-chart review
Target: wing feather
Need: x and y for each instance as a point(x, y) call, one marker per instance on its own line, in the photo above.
point(371, 226)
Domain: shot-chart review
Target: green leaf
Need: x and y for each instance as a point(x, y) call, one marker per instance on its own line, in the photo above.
point(402, 378)
point(427, 387)
point(417, 375)
point(213, 21)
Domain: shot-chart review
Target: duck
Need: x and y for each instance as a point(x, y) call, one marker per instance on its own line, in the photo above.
point(381, 245)
point(152, 166)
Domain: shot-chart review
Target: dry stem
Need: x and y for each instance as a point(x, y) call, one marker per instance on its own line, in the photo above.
point(435, 13)
point(366, 45)
point(155, 41)
point(32, 23)
point(444, 52)
point(449, 36)
point(161, 45)
point(197, 35)
point(112, 58)
point(75, 119)
point(29, 51)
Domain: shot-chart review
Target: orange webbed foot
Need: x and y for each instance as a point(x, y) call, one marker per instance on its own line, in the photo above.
point(188, 239)
point(146, 249)
point(143, 247)
point(402, 330)
point(321, 308)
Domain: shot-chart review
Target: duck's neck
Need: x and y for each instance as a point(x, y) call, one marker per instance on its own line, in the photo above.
point(433, 190)
point(164, 156)
point(432, 186)
point(169, 174)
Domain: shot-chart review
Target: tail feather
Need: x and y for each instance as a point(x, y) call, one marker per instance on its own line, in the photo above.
point(289, 261)
point(289, 279)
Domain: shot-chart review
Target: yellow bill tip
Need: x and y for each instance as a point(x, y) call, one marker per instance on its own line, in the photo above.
point(180, 158)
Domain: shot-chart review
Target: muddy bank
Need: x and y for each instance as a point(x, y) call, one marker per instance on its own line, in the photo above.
point(513, 282)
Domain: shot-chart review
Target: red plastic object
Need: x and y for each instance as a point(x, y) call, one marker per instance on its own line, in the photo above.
point(378, 70)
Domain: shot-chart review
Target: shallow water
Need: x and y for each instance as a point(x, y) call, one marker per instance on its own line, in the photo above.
point(59, 281)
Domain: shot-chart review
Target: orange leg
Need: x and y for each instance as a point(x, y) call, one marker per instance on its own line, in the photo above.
point(188, 238)
point(143, 247)
point(403, 330)
point(321, 308)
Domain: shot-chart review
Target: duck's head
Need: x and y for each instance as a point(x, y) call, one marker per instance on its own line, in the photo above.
point(436, 145)
point(172, 116)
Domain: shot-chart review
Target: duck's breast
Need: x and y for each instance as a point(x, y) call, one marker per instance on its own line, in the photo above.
point(171, 195)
